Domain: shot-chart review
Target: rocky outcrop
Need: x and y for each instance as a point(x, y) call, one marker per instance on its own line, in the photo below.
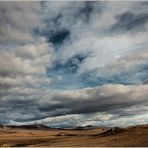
point(111, 131)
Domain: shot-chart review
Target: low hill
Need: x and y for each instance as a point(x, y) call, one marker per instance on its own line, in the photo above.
point(40, 136)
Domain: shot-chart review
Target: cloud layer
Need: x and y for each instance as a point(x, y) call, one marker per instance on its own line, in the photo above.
point(73, 63)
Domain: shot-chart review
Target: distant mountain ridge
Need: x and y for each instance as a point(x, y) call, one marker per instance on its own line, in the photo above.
point(41, 126)
point(32, 126)
point(87, 127)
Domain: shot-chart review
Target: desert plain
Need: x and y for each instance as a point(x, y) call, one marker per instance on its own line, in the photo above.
point(42, 136)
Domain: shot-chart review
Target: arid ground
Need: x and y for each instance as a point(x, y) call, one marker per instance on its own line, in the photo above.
point(130, 136)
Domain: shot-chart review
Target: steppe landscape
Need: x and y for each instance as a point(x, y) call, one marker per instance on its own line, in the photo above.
point(74, 73)
point(42, 136)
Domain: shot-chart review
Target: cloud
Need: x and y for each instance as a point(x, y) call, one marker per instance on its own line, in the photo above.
point(73, 63)
point(17, 21)
point(23, 56)
point(93, 37)
point(99, 99)
point(101, 105)
point(128, 21)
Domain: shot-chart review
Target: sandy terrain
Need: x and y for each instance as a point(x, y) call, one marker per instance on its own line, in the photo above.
point(131, 136)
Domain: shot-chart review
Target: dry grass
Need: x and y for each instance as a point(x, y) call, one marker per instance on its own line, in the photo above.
point(132, 136)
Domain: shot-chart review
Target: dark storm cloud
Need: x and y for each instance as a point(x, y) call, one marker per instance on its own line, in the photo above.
point(109, 99)
point(95, 100)
point(4, 86)
point(51, 52)
point(20, 109)
point(124, 108)
point(129, 21)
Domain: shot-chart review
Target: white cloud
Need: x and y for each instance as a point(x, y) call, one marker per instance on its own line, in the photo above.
point(25, 56)
point(17, 21)
point(93, 38)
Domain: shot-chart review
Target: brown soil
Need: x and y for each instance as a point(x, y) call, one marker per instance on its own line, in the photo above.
point(131, 136)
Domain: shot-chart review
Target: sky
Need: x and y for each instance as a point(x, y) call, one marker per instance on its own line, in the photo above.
point(67, 63)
